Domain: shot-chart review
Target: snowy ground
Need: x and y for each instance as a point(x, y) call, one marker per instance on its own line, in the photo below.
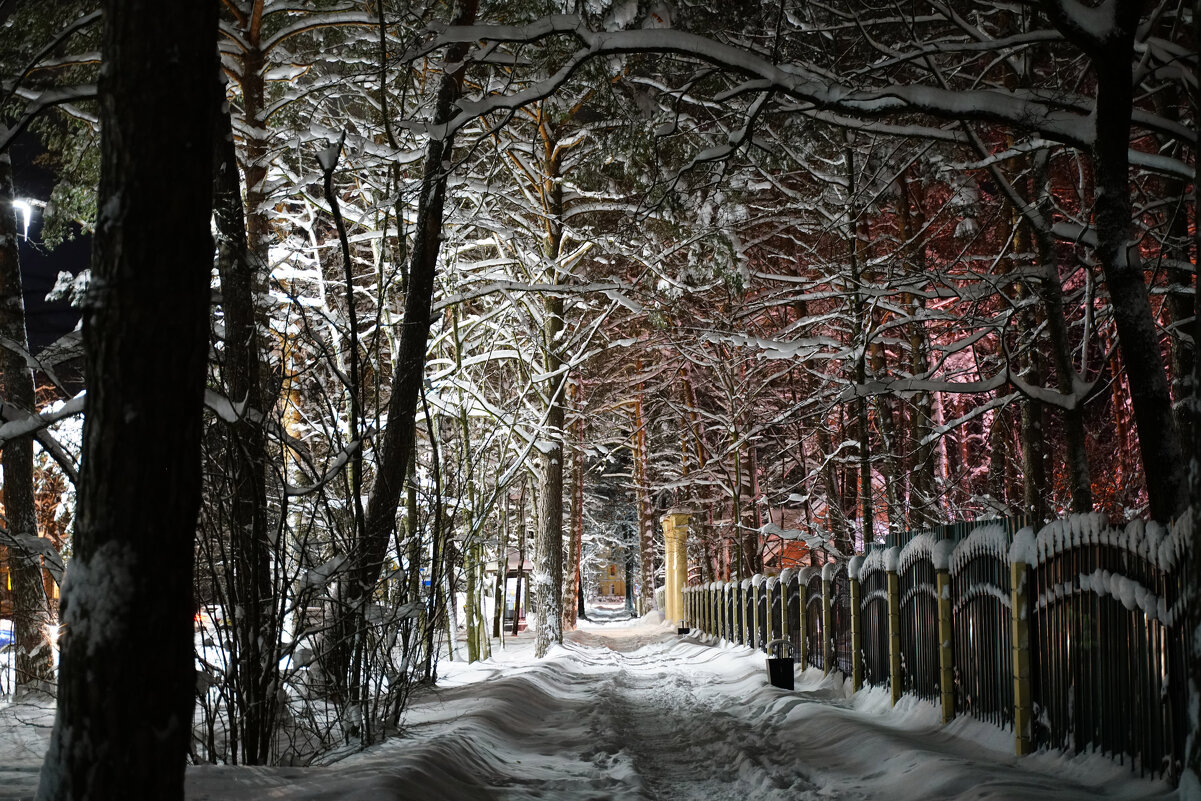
point(630, 711)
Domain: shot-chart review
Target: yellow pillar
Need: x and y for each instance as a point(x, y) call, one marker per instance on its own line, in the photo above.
point(802, 598)
point(856, 625)
point(675, 537)
point(1022, 699)
point(894, 629)
point(769, 630)
point(827, 619)
point(946, 653)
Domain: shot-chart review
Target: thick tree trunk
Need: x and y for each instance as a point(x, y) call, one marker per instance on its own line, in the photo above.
point(127, 681)
point(31, 612)
point(1159, 441)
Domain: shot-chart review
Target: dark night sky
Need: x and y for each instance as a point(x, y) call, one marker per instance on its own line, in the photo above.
point(40, 265)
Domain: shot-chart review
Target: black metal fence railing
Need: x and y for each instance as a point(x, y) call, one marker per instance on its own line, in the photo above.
point(1106, 646)
point(983, 633)
point(873, 601)
point(814, 623)
point(840, 618)
point(1073, 637)
point(919, 619)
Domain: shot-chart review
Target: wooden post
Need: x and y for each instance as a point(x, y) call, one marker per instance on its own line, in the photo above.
point(942, 553)
point(721, 611)
point(827, 618)
point(769, 590)
point(756, 591)
point(894, 624)
point(747, 591)
point(802, 593)
point(1019, 609)
point(856, 625)
point(785, 578)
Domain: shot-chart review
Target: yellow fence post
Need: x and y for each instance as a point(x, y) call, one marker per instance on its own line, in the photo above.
point(891, 558)
point(1022, 700)
point(769, 589)
point(746, 614)
point(856, 624)
point(723, 628)
point(802, 594)
point(946, 653)
point(756, 591)
point(827, 618)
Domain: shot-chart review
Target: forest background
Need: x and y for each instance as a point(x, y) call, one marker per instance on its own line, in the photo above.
point(528, 279)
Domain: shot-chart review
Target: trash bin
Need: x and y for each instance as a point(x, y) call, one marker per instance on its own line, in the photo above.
point(779, 667)
point(779, 671)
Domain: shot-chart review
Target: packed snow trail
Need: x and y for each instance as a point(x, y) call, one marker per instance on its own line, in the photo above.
point(633, 712)
point(630, 711)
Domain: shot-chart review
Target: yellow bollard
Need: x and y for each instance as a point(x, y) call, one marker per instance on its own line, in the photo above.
point(853, 568)
point(891, 557)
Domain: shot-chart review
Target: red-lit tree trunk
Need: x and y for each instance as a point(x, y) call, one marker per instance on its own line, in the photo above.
point(127, 680)
point(31, 613)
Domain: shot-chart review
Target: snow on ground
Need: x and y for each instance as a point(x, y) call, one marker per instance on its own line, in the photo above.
point(628, 710)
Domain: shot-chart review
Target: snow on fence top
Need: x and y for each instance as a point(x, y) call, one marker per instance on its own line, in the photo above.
point(920, 547)
point(854, 566)
point(872, 562)
point(1160, 547)
point(987, 540)
point(1024, 549)
point(786, 575)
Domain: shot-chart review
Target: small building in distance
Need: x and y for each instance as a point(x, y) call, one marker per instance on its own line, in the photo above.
point(611, 576)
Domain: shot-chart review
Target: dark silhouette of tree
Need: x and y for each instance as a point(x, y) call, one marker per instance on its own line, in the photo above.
point(126, 685)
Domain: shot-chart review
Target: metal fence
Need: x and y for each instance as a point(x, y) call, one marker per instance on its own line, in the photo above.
point(1072, 637)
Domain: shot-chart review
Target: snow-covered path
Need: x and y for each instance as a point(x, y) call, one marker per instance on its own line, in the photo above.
point(631, 711)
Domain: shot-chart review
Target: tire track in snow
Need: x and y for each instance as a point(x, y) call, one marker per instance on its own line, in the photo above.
point(682, 748)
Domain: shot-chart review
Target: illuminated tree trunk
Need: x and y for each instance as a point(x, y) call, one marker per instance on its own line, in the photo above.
point(572, 610)
point(646, 523)
point(548, 569)
point(127, 680)
point(31, 613)
point(395, 445)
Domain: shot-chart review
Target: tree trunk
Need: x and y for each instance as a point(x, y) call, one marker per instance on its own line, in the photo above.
point(646, 523)
point(573, 595)
point(255, 626)
point(127, 680)
point(1159, 442)
point(395, 445)
point(31, 612)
